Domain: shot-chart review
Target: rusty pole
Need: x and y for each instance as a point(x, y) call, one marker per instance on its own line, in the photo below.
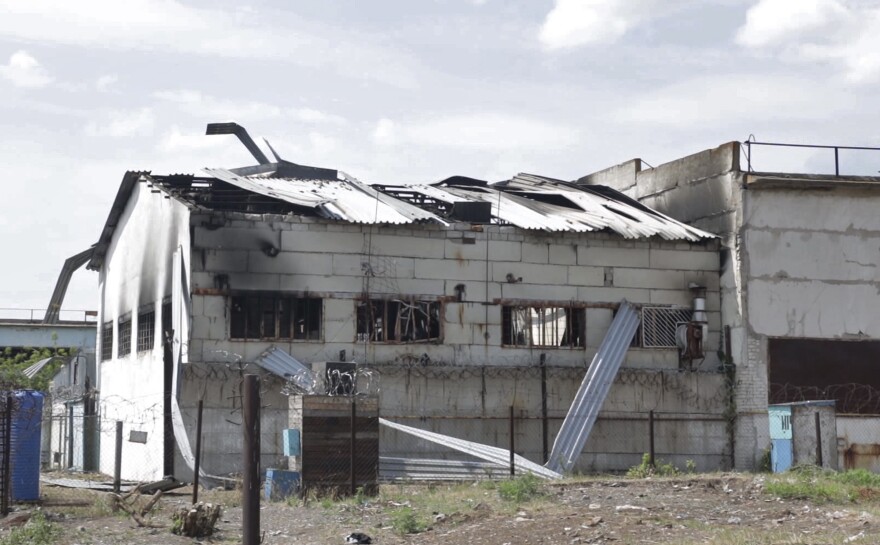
point(117, 466)
point(352, 448)
point(545, 443)
point(651, 438)
point(512, 445)
point(250, 490)
point(195, 497)
point(818, 441)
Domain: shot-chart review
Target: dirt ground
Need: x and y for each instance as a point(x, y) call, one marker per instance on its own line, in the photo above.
point(723, 509)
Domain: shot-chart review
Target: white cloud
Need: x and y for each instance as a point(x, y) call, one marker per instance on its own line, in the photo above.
point(218, 109)
point(573, 23)
point(840, 32)
point(384, 133)
point(106, 82)
point(23, 70)
point(734, 100)
point(117, 124)
point(171, 26)
point(177, 141)
point(774, 21)
point(479, 131)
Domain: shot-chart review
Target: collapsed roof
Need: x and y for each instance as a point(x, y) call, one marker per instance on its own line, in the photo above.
point(526, 201)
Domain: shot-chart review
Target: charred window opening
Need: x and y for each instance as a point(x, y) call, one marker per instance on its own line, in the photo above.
point(124, 337)
point(812, 370)
point(275, 316)
point(543, 326)
point(106, 341)
point(398, 320)
point(146, 331)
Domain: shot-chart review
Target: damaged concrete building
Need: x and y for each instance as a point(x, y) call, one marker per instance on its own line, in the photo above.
point(463, 298)
point(800, 284)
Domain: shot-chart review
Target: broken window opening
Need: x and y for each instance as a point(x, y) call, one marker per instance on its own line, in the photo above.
point(398, 320)
point(107, 341)
point(146, 331)
point(275, 317)
point(543, 326)
point(124, 337)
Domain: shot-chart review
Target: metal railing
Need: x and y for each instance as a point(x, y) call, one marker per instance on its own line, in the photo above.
point(37, 315)
point(749, 143)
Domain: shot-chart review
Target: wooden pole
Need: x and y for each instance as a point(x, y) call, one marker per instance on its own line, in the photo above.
point(195, 496)
point(250, 490)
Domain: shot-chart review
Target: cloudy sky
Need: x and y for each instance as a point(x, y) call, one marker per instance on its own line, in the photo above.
point(401, 90)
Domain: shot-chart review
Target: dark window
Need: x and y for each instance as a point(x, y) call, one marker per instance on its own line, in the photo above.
point(146, 331)
point(398, 320)
point(273, 316)
point(124, 337)
point(107, 341)
point(543, 326)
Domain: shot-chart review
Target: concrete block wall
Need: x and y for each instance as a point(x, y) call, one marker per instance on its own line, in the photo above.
point(493, 265)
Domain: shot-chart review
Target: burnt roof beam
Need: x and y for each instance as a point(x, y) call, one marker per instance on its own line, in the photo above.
point(242, 134)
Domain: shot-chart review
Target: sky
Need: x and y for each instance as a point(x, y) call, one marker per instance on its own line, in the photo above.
point(402, 91)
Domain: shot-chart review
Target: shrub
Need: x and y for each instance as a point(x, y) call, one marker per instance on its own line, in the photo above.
point(645, 469)
point(520, 489)
point(404, 521)
point(37, 531)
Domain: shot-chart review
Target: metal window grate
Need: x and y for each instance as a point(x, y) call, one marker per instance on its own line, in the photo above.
point(124, 338)
point(107, 341)
point(146, 331)
point(659, 325)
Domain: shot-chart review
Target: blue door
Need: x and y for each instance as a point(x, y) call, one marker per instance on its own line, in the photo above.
point(781, 454)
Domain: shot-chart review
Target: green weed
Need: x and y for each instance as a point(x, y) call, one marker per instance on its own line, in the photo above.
point(659, 469)
point(37, 531)
point(812, 483)
point(520, 489)
point(404, 521)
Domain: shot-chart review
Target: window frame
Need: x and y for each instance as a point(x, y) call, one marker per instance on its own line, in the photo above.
point(576, 318)
point(285, 308)
point(123, 345)
point(146, 333)
point(389, 313)
point(107, 341)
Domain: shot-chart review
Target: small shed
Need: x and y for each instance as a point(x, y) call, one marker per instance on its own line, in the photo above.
point(803, 432)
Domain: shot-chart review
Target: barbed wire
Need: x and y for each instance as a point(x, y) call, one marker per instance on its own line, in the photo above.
point(851, 398)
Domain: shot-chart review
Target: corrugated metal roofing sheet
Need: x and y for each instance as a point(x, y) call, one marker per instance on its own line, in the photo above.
point(526, 201)
point(345, 199)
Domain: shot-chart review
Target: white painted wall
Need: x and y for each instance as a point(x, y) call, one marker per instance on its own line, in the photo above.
point(137, 272)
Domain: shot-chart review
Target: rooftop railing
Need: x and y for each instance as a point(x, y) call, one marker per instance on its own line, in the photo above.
point(36, 315)
point(869, 168)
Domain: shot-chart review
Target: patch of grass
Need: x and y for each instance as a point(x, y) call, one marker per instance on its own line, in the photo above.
point(37, 531)
point(811, 483)
point(743, 536)
point(659, 469)
point(520, 489)
point(404, 520)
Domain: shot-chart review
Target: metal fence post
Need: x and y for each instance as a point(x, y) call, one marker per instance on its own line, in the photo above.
point(545, 443)
point(651, 438)
point(819, 461)
point(512, 445)
point(353, 447)
point(117, 466)
point(195, 496)
point(250, 491)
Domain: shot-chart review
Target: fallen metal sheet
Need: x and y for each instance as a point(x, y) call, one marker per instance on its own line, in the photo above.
point(31, 372)
point(594, 389)
point(345, 199)
point(280, 363)
point(495, 455)
point(101, 486)
point(423, 469)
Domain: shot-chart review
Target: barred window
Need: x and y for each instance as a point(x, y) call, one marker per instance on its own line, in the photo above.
point(124, 337)
point(275, 316)
point(146, 331)
point(106, 341)
point(398, 320)
point(657, 328)
point(543, 326)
